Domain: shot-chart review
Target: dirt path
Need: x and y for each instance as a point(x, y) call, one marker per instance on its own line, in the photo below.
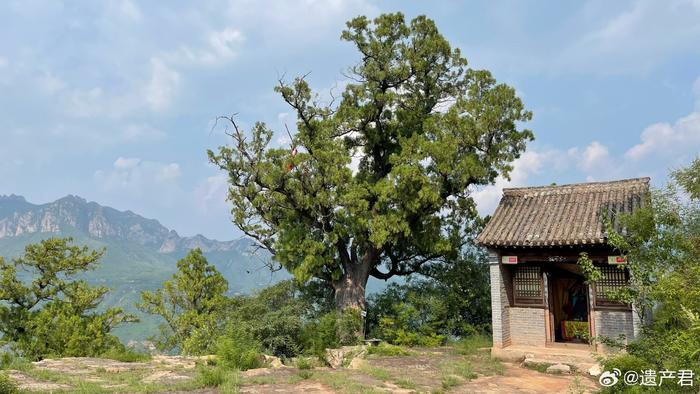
point(522, 380)
point(514, 380)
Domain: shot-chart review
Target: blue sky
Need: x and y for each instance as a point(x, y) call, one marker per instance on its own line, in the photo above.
point(114, 100)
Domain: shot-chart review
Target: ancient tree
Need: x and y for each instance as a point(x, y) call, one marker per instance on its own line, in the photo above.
point(376, 182)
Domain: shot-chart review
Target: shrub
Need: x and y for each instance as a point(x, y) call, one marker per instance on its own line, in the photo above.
point(318, 336)
point(11, 361)
point(7, 386)
point(239, 350)
point(405, 324)
point(667, 348)
point(472, 343)
point(211, 376)
point(284, 317)
point(451, 299)
point(349, 327)
point(123, 354)
point(626, 362)
point(303, 363)
point(386, 349)
point(305, 374)
point(274, 316)
point(449, 382)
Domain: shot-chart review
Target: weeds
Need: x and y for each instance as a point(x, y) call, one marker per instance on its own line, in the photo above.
point(449, 381)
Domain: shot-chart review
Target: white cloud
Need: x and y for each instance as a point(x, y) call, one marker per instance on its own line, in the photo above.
point(50, 83)
point(139, 177)
point(683, 136)
point(168, 172)
point(3, 61)
point(130, 10)
point(663, 146)
point(594, 157)
point(487, 198)
point(142, 133)
point(210, 194)
point(218, 48)
point(635, 40)
point(157, 93)
point(162, 86)
point(666, 139)
point(124, 163)
point(223, 42)
point(85, 103)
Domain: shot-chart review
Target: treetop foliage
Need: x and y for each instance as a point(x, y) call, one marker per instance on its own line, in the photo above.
point(47, 311)
point(192, 304)
point(422, 129)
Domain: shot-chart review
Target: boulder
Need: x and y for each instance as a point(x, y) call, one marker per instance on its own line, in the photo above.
point(337, 358)
point(559, 369)
point(356, 363)
point(595, 370)
point(272, 361)
point(534, 363)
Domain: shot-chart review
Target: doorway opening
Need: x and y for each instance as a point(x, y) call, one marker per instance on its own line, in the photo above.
point(569, 307)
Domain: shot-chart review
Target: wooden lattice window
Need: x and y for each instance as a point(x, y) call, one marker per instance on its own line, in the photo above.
point(528, 288)
point(614, 278)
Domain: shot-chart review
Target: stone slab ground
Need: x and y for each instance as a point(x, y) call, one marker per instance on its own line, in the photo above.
point(433, 370)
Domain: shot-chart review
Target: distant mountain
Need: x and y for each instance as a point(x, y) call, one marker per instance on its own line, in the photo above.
point(75, 214)
point(141, 253)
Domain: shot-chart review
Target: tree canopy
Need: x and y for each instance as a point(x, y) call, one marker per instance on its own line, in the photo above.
point(46, 311)
point(376, 182)
point(191, 303)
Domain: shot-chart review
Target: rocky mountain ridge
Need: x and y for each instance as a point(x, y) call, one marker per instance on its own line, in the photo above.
point(72, 213)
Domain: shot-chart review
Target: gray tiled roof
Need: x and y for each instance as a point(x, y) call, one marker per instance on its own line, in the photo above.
point(561, 215)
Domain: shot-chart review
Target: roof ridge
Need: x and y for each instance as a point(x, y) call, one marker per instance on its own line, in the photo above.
point(581, 184)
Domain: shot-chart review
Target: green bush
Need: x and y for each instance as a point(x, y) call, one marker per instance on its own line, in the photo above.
point(626, 362)
point(7, 386)
point(349, 327)
point(407, 324)
point(239, 350)
point(317, 336)
point(471, 344)
point(389, 350)
point(671, 348)
point(6, 359)
point(303, 363)
point(284, 317)
point(305, 374)
point(452, 300)
point(330, 331)
point(123, 354)
point(211, 376)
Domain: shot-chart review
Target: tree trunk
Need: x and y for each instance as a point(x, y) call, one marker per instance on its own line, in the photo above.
point(350, 288)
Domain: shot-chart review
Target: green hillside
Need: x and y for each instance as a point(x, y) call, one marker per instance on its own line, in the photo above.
point(128, 268)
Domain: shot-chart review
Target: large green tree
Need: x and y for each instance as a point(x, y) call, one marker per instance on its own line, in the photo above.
point(424, 129)
point(45, 310)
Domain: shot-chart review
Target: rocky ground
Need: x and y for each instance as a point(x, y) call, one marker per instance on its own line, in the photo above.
point(424, 370)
